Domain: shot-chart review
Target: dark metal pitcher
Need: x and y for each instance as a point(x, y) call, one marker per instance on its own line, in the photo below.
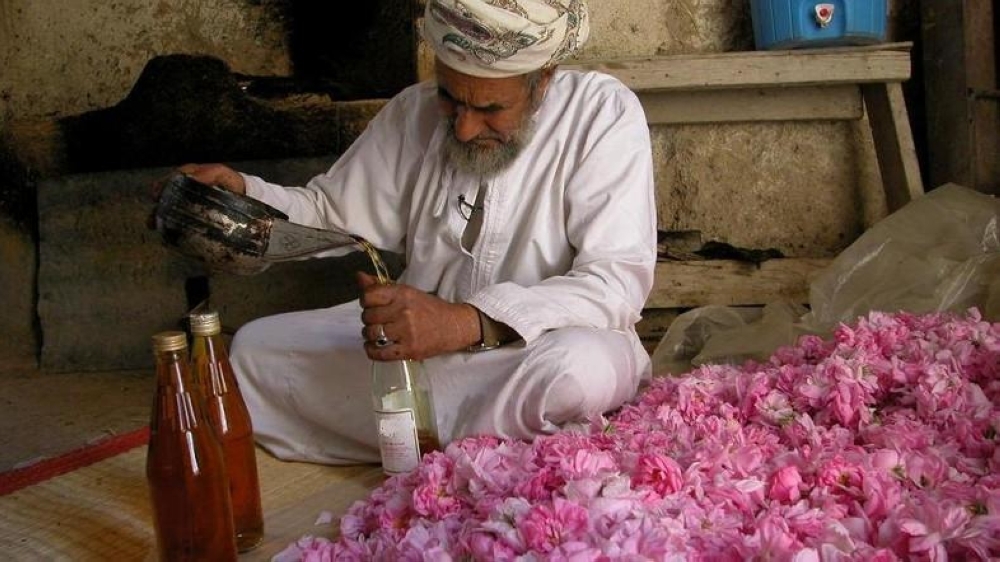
point(233, 232)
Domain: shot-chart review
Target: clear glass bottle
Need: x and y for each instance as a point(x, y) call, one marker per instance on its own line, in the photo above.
point(185, 467)
point(228, 415)
point(401, 397)
point(407, 428)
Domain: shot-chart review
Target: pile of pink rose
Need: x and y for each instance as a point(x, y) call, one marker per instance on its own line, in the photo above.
point(878, 444)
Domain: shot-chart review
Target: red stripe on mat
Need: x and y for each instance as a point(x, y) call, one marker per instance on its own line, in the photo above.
point(18, 478)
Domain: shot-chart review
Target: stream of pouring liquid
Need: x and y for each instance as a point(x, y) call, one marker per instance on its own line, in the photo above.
point(381, 271)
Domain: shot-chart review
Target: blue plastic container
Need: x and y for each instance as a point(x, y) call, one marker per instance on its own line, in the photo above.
point(794, 24)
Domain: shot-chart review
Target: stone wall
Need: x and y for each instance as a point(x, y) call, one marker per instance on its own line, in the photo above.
point(65, 58)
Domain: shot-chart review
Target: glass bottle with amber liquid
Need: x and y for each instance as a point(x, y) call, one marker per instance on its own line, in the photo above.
point(228, 415)
point(401, 397)
point(185, 468)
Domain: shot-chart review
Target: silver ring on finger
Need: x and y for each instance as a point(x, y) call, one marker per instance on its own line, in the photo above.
point(381, 340)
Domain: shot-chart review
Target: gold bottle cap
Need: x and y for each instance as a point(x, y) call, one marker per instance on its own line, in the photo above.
point(205, 323)
point(169, 341)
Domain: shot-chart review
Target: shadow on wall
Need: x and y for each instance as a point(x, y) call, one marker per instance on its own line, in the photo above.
point(186, 108)
point(365, 52)
point(369, 53)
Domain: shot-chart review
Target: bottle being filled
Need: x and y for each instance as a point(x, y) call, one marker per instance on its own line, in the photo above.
point(404, 414)
point(185, 467)
point(228, 415)
point(404, 411)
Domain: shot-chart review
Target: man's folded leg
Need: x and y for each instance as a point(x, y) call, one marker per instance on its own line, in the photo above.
point(566, 375)
point(307, 382)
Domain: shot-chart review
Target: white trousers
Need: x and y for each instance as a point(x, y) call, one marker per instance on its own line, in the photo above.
point(307, 382)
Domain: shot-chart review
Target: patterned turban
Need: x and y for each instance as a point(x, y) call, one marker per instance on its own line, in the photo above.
point(501, 38)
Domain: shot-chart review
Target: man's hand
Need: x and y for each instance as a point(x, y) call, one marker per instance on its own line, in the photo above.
point(418, 324)
point(210, 174)
point(216, 174)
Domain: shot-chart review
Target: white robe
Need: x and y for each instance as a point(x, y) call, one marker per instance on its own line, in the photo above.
point(565, 257)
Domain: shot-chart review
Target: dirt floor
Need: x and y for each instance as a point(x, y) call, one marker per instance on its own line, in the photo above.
point(45, 414)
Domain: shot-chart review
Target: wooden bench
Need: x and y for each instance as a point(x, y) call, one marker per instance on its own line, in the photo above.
point(801, 85)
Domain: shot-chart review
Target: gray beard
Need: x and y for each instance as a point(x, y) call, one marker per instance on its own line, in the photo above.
point(488, 162)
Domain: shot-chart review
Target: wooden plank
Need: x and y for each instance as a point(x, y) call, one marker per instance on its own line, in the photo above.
point(808, 103)
point(985, 103)
point(945, 90)
point(422, 50)
point(894, 146)
point(691, 284)
point(963, 129)
point(759, 69)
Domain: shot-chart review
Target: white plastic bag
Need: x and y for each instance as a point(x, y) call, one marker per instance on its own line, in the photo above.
point(940, 252)
point(726, 334)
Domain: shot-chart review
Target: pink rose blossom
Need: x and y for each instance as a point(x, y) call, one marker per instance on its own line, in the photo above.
point(785, 485)
point(659, 472)
point(545, 527)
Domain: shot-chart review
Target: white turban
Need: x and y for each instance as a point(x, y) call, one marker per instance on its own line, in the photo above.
point(501, 38)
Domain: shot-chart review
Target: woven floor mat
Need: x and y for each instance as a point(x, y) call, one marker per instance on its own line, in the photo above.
point(102, 511)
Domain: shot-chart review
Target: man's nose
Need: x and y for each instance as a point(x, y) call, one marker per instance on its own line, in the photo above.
point(468, 124)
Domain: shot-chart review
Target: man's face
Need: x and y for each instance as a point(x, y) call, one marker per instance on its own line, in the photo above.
point(489, 118)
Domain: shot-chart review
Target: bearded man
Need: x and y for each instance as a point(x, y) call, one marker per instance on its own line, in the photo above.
point(521, 196)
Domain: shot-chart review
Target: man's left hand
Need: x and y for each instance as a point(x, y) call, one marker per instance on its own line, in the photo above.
point(418, 325)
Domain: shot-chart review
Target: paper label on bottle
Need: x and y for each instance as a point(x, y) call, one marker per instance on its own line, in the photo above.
point(397, 440)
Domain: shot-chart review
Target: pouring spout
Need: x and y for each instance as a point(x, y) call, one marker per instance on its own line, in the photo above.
point(290, 241)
